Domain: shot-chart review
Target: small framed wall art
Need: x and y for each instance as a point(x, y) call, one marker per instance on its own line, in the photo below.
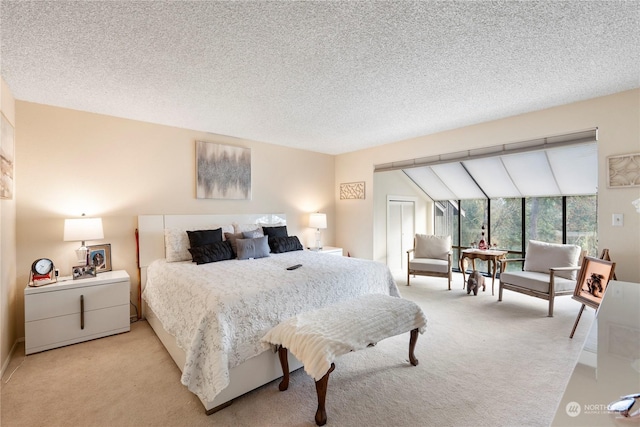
point(623, 171)
point(352, 190)
point(100, 257)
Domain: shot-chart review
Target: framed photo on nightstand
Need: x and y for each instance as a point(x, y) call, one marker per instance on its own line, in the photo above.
point(83, 272)
point(100, 257)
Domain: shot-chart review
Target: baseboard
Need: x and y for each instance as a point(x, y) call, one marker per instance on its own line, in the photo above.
point(8, 361)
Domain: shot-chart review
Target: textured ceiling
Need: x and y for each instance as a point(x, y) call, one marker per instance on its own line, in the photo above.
point(331, 77)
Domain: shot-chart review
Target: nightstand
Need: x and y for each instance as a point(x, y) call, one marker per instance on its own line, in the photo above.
point(329, 250)
point(73, 311)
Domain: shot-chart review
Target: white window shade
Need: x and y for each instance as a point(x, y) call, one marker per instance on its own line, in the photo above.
point(575, 169)
point(430, 183)
point(458, 180)
point(531, 174)
point(492, 177)
point(560, 165)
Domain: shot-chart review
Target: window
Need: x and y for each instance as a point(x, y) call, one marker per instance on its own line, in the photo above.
point(511, 222)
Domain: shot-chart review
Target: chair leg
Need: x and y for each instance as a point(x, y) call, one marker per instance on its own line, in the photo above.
point(551, 307)
point(575, 325)
point(408, 277)
point(500, 292)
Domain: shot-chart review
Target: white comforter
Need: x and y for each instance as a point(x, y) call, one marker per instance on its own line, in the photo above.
point(218, 312)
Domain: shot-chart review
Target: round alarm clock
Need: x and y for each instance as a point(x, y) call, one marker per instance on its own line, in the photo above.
point(42, 272)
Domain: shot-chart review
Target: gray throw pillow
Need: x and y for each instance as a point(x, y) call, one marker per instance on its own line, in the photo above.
point(252, 248)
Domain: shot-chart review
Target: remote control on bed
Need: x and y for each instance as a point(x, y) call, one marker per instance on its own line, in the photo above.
point(293, 267)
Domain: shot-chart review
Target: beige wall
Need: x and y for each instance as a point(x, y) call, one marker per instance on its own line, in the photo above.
point(617, 118)
point(7, 250)
point(72, 162)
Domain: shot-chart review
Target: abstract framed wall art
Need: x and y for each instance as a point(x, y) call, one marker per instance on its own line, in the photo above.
point(7, 149)
point(352, 190)
point(223, 171)
point(623, 171)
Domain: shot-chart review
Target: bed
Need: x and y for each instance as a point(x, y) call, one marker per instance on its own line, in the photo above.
point(211, 317)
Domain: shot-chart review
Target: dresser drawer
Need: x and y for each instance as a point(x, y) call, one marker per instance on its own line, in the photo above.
point(66, 302)
point(58, 331)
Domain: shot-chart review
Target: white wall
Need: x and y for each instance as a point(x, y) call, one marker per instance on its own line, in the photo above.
point(396, 183)
point(73, 162)
point(616, 116)
point(7, 249)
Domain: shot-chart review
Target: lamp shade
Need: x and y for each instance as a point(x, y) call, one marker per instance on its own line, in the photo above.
point(318, 220)
point(81, 229)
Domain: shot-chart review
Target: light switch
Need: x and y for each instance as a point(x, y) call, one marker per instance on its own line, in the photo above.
point(617, 220)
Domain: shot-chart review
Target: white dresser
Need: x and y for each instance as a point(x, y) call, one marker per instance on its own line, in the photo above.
point(73, 311)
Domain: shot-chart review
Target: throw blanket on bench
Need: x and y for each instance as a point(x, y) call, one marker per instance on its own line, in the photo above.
point(317, 337)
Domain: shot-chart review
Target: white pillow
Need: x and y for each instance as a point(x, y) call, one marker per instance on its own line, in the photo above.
point(542, 256)
point(241, 228)
point(435, 247)
point(176, 241)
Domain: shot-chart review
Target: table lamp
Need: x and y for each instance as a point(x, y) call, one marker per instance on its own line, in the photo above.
point(81, 230)
point(318, 221)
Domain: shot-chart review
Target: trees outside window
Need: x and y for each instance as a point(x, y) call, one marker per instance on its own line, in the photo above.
point(511, 222)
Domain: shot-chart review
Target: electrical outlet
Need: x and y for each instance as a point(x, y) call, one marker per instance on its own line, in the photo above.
point(617, 220)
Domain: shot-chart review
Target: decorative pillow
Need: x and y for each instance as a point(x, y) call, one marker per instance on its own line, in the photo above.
point(279, 245)
point(176, 242)
point(280, 231)
point(252, 234)
point(252, 248)
point(435, 247)
point(240, 228)
point(176, 245)
point(232, 238)
point(542, 256)
point(212, 252)
point(204, 237)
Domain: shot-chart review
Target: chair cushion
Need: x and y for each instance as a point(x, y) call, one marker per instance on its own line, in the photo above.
point(542, 256)
point(537, 281)
point(429, 265)
point(429, 246)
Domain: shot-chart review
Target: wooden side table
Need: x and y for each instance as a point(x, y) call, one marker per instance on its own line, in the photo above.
point(486, 255)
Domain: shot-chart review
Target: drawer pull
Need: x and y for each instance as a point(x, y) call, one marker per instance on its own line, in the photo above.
point(81, 311)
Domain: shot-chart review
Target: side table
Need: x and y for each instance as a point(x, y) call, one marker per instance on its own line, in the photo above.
point(486, 255)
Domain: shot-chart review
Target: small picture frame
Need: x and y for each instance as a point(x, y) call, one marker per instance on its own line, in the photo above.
point(100, 257)
point(592, 282)
point(83, 271)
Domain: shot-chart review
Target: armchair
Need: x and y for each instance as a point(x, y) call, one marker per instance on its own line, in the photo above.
point(549, 271)
point(431, 257)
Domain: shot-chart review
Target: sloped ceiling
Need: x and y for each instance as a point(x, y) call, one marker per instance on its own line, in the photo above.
point(331, 77)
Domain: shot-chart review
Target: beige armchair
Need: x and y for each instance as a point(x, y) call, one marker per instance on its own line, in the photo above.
point(549, 271)
point(431, 257)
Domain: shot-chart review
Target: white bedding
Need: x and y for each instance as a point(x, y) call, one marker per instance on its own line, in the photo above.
point(218, 312)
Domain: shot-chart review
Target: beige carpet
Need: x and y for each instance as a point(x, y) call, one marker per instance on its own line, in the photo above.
point(482, 363)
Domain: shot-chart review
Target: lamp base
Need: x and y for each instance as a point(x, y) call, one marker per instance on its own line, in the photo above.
point(318, 245)
point(81, 254)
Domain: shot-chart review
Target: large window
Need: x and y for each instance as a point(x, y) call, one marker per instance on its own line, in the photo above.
point(511, 222)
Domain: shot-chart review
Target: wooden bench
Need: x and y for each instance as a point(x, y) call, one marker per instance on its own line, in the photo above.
point(317, 337)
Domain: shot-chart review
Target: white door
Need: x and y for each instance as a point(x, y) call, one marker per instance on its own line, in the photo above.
point(400, 232)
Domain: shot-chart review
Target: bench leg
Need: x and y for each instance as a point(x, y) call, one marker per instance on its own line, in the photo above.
point(284, 362)
point(321, 390)
point(412, 345)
